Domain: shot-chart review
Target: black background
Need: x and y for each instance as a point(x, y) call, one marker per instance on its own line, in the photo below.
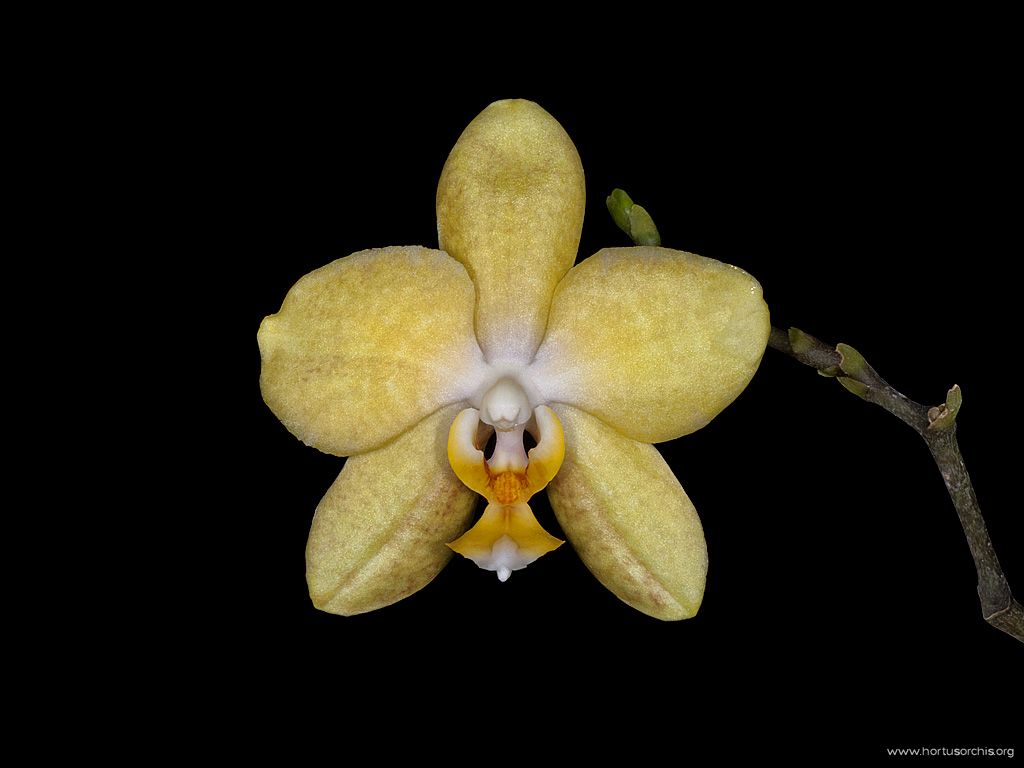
point(876, 205)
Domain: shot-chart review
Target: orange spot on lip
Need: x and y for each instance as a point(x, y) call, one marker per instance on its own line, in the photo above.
point(508, 486)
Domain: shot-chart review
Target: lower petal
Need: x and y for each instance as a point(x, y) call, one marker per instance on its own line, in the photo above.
point(380, 532)
point(626, 515)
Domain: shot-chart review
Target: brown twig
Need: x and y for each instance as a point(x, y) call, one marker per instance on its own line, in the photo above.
point(937, 426)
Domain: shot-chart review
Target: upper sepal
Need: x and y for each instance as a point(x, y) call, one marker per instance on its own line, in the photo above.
point(510, 206)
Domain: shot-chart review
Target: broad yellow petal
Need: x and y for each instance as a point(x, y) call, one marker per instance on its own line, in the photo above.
point(381, 531)
point(653, 341)
point(510, 207)
point(626, 515)
point(369, 345)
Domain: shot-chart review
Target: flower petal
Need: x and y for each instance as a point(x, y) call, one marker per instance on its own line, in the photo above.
point(655, 342)
point(510, 207)
point(381, 531)
point(629, 519)
point(368, 345)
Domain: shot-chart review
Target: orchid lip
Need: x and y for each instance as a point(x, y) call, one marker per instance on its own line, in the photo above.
point(507, 537)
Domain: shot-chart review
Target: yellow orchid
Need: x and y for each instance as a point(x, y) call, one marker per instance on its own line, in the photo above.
point(409, 360)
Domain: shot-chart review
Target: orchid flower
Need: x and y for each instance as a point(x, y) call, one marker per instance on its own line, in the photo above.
point(409, 360)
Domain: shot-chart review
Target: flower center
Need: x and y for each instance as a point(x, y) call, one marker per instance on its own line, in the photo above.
point(505, 405)
point(507, 537)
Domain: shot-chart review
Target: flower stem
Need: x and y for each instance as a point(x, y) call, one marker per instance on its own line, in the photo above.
point(937, 426)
